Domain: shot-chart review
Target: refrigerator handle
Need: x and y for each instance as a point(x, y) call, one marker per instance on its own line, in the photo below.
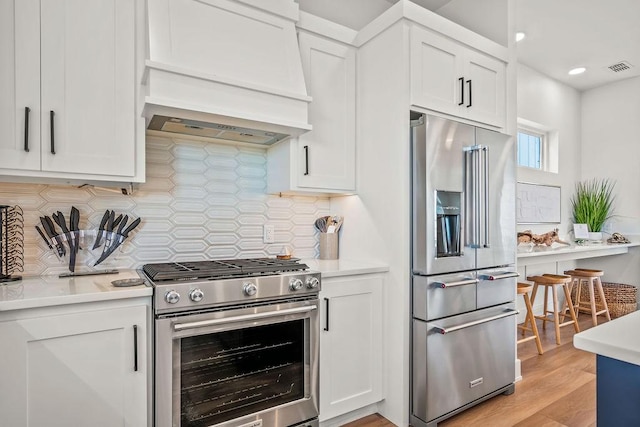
point(472, 194)
point(469, 208)
point(485, 155)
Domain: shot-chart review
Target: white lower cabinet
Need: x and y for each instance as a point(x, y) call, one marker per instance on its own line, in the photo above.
point(73, 367)
point(350, 344)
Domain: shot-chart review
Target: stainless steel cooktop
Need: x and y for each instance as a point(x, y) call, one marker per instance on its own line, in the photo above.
point(183, 286)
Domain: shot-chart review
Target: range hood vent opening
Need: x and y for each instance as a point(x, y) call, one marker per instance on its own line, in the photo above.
point(214, 130)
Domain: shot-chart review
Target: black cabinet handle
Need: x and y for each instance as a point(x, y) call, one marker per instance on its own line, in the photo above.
point(27, 110)
point(306, 160)
point(461, 80)
point(470, 93)
point(135, 348)
point(53, 144)
point(326, 310)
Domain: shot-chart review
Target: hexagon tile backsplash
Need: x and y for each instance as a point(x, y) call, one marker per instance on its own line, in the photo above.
point(200, 201)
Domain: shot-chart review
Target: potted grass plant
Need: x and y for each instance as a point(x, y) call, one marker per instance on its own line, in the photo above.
point(592, 204)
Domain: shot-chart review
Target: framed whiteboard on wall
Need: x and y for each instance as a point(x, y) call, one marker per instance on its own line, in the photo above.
point(537, 204)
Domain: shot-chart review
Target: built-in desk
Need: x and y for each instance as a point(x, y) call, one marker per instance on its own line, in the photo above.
point(541, 254)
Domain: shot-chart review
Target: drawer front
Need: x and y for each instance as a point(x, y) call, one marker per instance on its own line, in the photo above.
point(463, 364)
point(435, 297)
point(496, 286)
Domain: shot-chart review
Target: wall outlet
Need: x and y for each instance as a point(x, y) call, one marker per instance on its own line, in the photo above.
point(268, 234)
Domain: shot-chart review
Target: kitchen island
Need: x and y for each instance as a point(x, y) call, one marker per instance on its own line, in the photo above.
point(617, 347)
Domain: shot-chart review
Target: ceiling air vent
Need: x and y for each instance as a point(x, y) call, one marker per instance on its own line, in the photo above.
point(620, 66)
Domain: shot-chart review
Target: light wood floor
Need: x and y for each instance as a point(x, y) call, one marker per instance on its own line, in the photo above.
point(558, 389)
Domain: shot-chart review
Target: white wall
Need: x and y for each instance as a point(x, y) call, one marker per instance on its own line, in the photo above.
point(611, 146)
point(555, 105)
point(611, 149)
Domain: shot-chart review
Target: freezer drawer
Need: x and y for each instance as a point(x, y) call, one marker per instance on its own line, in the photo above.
point(496, 286)
point(445, 295)
point(461, 359)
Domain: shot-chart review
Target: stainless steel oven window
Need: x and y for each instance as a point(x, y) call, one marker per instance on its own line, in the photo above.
point(231, 374)
point(234, 365)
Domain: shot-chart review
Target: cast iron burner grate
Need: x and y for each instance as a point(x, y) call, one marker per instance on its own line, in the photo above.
point(217, 269)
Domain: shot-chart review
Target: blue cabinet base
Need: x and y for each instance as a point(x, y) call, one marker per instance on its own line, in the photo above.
point(618, 393)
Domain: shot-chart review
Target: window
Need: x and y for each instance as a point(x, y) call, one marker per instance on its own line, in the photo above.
point(537, 147)
point(530, 149)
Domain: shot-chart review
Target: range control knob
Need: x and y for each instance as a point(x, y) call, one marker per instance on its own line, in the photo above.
point(172, 297)
point(196, 295)
point(312, 282)
point(249, 289)
point(295, 284)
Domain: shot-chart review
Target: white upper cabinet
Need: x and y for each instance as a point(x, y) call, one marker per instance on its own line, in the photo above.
point(327, 153)
point(323, 159)
point(70, 68)
point(454, 79)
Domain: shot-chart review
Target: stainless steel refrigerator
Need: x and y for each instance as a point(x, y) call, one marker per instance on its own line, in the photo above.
point(463, 267)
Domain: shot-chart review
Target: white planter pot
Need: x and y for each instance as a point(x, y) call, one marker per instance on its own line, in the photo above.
point(595, 235)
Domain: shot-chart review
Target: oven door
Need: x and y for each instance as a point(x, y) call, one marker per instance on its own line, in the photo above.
point(248, 366)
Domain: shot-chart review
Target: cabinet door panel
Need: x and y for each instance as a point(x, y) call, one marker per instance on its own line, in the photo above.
point(88, 80)
point(329, 70)
point(19, 83)
point(436, 65)
point(350, 351)
point(75, 369)
point(489, 97)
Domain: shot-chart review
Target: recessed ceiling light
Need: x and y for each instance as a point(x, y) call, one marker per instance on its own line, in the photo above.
point(578, 70)
point(520, 36)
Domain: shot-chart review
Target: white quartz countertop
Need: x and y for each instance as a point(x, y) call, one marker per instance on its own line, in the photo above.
point(340, 267)
point(617, 339)
point(542, 253)
point(46, 291)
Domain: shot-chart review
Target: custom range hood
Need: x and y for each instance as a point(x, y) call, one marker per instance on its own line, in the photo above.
point(225, 70)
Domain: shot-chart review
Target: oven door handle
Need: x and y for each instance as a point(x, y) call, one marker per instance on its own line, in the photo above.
point(475, 322)
point(243, 318)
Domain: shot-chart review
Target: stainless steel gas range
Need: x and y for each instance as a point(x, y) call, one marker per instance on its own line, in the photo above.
point(236, 343)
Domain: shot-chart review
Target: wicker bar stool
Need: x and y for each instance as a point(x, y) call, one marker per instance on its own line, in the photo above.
point(592, 280)
point(553, 281)
point(524, 289)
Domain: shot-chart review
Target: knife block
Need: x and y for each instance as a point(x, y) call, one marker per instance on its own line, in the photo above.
point(86, 255)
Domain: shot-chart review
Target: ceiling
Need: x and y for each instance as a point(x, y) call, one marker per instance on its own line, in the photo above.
point(564, 34)
point(561, 34)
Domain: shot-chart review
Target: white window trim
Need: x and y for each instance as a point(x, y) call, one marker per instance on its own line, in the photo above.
point(549, 138)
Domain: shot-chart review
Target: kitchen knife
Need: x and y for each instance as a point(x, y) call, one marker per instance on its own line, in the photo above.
point(108, 237)
point(50, 229)
point(74, 221)
point(44, 237)
point(103, 223)
point(120, 237)
point(122, 224)
point(74, 224)
point(116, 222)
point(59, 219)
